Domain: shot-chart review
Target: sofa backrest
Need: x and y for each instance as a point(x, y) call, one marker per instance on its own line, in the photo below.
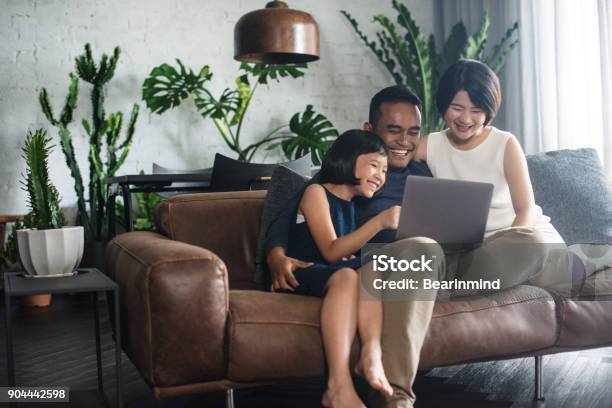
point(225, 223)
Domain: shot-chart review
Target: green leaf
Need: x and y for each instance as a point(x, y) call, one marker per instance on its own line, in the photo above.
point(454, 46)
point(244, 95)
point(86, 126)
point(144, 214)
point(131, 127)
point(414, 61)
point(312, 133)
point(401, 51)
point(228, 102)
point(95, 160)
point(110, 72)
point(71, 100)
point(500, 52)
point(264, 71)
point(419, 48)
point(476, 43)
point(166, 86)
point(43, 98)
point(75, 172)
point(85, 65)
point(381, 50)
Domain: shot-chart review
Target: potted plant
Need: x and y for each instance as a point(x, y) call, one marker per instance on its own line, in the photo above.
point(413, 60)
point(108, 149)
point(308, 131)
point(46, 246)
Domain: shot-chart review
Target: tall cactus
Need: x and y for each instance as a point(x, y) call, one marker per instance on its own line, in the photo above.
point(43, 198)
point(103, 133)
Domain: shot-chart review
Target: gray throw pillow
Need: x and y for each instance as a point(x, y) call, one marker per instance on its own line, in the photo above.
point(285, 184)
point(572, 189)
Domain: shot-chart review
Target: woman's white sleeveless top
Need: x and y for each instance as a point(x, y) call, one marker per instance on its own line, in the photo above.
point(484, 163)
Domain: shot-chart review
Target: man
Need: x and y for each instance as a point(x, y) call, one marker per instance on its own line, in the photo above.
point(396, 118)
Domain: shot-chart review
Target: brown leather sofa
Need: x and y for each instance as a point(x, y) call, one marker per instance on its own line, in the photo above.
point(194, 321)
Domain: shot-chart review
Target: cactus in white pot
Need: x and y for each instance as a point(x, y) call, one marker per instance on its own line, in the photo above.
point(46, 247)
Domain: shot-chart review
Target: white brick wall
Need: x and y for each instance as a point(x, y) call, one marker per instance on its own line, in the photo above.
point(40, 38)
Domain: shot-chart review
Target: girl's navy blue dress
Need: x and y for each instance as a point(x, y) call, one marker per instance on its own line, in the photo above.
point(303, 247)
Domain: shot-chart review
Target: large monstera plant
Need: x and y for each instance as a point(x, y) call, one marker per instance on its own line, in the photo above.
point(312, 133)
point(167, 87)
point(412, 59)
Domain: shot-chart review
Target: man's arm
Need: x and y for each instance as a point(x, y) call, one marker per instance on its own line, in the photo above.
point(277, 234)
point(280, 265)
point(278, 230)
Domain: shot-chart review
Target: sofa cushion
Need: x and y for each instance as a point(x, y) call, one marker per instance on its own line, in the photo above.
point(586, 319)
point(268, 330)
point(285, 184)
point(224, 223)
point(571, 188)
point(504, 324)
point(271, 333)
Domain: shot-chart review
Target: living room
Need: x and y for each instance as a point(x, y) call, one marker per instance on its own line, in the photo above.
point(133, 132)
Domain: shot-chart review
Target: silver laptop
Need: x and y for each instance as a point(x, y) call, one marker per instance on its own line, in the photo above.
point(448, 211)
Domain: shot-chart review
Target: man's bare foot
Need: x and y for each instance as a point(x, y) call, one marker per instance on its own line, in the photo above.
point(341, 396)
point(370, 367)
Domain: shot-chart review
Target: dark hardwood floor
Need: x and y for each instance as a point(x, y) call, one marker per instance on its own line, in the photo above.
point(55, 346)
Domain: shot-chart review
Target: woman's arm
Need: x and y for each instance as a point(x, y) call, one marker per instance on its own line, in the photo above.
point(517, 176)
point(315, 209)
point(421, 152)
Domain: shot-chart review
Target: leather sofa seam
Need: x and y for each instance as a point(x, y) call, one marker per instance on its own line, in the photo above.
point(200, 199)
point(290, 322)
point(167, 261)
point(147, 305)
point(490, 307)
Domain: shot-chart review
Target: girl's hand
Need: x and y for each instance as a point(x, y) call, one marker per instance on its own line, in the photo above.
point(389, 219)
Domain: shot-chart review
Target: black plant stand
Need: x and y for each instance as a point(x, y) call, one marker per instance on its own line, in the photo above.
point(148, 183)
point(88, 281)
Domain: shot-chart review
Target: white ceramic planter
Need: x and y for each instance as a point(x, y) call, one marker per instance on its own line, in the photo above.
point(50, 252)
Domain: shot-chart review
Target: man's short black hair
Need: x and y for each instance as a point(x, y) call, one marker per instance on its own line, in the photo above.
point(338, 165)
point(392, 94)
point(477, 79)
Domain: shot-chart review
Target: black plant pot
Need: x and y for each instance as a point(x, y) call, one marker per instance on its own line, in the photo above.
point(93, 255)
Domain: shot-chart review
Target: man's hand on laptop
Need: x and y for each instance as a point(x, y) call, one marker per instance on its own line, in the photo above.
point(282, 267)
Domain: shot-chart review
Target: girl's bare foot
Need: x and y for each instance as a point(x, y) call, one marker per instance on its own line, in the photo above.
point(341, 396)
point(370, 367)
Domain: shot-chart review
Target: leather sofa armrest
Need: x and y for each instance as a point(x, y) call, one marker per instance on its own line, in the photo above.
point(174, 305)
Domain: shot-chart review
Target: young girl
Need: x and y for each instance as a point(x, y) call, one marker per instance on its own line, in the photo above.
point(470, 149)
point(324, 233)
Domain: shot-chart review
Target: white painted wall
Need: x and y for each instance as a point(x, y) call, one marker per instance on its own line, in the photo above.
point(40, 38)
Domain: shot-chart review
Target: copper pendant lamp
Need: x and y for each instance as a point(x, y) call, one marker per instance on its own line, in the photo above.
point(276, 35)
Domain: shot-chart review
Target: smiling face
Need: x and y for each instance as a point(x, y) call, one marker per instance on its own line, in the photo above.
point(371, 170)
point(463, 119)
point(399, 127)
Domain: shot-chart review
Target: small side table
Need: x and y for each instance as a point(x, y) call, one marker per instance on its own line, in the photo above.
point(87, 280)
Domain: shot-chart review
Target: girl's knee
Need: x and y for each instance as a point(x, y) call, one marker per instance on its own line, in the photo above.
point(344, 276)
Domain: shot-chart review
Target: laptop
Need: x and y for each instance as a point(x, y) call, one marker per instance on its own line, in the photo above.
point(452, 212)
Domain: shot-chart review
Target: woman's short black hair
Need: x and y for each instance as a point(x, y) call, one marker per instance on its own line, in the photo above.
point(338, 165)
point(477, 79)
